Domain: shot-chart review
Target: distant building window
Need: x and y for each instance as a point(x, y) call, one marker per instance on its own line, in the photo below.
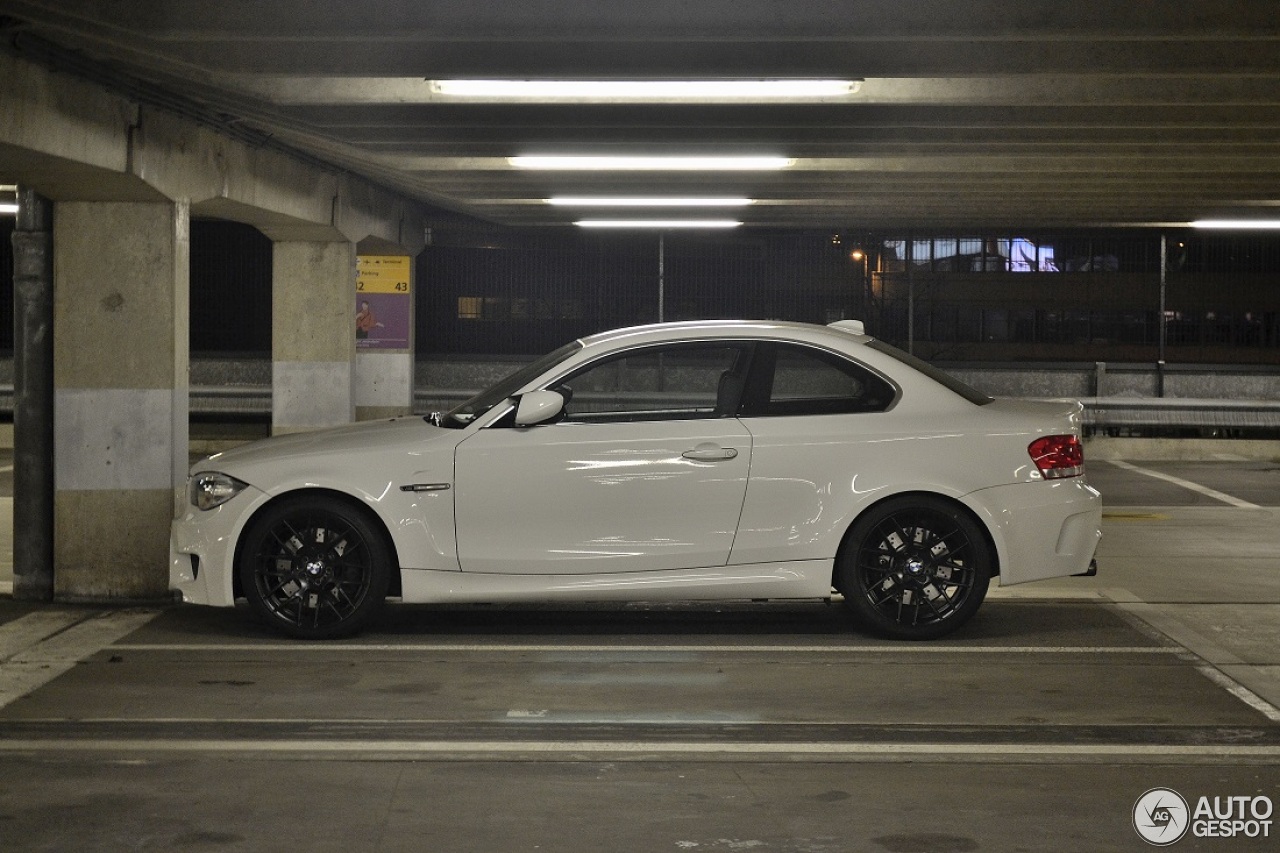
point(469, 307)
point(974, 254)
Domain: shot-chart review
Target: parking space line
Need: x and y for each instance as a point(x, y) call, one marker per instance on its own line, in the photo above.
point(568, 750)
point(1238, 690)
point(559, 648)
point(1166, 626)
point(1186, 484)
point(49, 658)
point(25, 632)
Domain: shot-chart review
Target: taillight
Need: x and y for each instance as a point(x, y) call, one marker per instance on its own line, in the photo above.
point(1058, 456)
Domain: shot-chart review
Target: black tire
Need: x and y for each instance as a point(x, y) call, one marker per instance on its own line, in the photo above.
point(914, 568)
point(315, 567)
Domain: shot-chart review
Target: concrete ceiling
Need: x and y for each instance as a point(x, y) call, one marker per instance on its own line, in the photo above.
point(1035, 114)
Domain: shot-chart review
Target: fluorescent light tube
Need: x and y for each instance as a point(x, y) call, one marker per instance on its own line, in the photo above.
point(652, 91)
point(1242, 224)
point(613, 163)
point(6, 207)
point(610, 201)
point(658, 223)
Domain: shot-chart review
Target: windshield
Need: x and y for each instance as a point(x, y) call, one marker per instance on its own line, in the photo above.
point(459, 416)
point(973, 395)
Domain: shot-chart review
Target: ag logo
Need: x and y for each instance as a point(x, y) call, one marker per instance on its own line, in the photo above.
point(1161, 816)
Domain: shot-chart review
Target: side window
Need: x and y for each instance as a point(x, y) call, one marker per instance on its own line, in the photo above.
point(806, 381)
point(657, 383)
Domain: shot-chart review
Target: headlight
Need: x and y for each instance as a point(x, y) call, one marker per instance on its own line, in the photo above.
point(209, 490)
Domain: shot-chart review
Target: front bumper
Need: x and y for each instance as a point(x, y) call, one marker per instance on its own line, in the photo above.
point(202, 550)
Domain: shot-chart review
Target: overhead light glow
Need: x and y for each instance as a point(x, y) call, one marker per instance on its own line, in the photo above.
point(1241, 224)
point(614, 201)
point(614, 163)
point(658, 223)
point(645, 91)
point(6, 207)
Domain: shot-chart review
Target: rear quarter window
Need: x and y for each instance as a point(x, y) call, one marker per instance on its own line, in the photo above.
point(796, 380)
point(973, 395)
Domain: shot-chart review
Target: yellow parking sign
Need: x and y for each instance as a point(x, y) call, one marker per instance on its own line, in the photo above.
point(382, 274)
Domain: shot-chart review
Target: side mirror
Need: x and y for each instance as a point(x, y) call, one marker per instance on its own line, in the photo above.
point(538, 407)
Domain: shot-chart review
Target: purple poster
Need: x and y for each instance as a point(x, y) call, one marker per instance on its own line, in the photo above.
point(384, 308)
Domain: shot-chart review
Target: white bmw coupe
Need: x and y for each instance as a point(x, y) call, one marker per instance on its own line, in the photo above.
point(706, 460)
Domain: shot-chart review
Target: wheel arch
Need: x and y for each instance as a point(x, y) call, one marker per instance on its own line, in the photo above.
point(395, 587)
point(963, 507)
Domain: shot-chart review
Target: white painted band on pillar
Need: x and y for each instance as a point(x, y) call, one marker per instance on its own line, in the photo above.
point(384, 379)
point(311, 393)
point(112, 438)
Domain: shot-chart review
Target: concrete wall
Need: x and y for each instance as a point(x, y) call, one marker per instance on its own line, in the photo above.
point(125, 179)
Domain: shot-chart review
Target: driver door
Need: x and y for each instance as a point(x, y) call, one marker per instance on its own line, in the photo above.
point(647, 471)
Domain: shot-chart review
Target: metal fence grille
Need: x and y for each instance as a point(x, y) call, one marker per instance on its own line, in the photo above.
point(1081, 298)
point(532, 296)
point(230, 289)
point(966, 297)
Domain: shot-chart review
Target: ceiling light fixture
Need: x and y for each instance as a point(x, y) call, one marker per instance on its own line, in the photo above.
point(7, 208)
point(646, 91)
point(616, 201)
point(616, 163)
point(658, 223)
point(1240, 224)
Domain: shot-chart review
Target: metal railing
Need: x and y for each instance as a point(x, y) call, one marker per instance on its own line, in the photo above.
point(1102, 414)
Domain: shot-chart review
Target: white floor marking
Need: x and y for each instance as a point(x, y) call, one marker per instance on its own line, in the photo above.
point(508, 648)
point(25, 632)
point(1238, 690)
point(1156, 622)
point(46, 660)
point(1186, 484)
point(568, 749)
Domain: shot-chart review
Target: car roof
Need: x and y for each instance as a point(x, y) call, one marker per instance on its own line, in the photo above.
point(721, 329)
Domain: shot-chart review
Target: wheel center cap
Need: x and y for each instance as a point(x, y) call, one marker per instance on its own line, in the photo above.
point(914, 566)
point(315, 568)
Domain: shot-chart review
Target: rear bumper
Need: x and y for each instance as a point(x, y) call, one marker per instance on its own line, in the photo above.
point(1042, 530)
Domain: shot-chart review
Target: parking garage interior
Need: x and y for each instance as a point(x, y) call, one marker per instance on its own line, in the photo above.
point(1045, 200)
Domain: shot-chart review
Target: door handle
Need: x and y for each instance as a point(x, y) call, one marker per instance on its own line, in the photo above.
point(709, 452)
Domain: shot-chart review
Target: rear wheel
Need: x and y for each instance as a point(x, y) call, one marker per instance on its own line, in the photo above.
point(914, 568)
point(315, 567)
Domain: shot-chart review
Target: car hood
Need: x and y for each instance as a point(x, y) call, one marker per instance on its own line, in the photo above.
point(409, 432)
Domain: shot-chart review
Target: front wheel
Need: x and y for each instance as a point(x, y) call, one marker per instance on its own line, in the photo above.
point(315, 567)
point(914, 568)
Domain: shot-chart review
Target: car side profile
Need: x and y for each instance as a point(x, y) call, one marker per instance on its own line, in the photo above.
point(700, 461)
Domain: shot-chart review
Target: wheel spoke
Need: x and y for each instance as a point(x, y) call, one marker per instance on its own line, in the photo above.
point(310, 570)
point(914, 567)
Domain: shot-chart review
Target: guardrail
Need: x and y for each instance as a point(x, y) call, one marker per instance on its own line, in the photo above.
point(1102, 414)
point(1121, 413)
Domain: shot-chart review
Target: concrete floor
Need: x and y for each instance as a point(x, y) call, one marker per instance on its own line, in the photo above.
point(746, 727)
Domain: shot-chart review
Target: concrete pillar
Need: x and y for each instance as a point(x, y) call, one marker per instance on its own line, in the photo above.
point(313, 336)
point(33, 449)
point(384, 360)
point(121, 274)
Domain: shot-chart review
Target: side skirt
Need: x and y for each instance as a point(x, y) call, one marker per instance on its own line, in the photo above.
point(801, 579)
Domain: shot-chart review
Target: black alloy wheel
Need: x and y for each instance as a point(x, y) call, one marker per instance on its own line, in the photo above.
point(914, 568)
point(315, 567)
